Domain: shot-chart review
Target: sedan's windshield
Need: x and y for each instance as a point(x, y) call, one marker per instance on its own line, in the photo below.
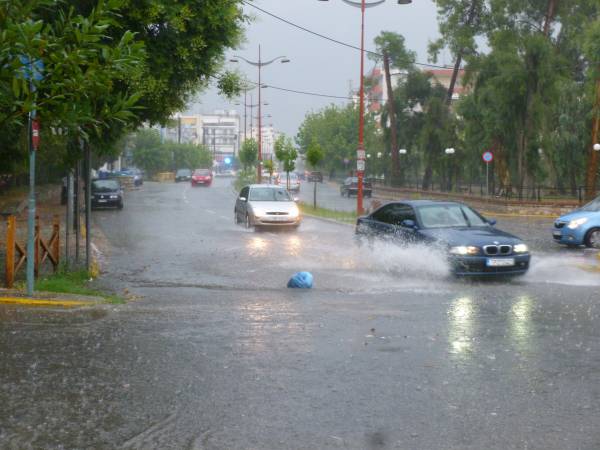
point(202, 172)
point(593, 206)
point(269, 195)
point(184, 172)
point(443, 216)
point(105, 185)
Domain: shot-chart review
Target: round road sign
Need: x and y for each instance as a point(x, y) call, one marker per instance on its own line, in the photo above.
point(488, 157)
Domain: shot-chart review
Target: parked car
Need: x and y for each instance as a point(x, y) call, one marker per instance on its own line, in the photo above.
point(183, 175)
point(315, 176)
point(350, 187)
point(294, 182)
point(471, 243)
point(579, 227)
point(107, 193)
point(201, 177)
point(266, 205)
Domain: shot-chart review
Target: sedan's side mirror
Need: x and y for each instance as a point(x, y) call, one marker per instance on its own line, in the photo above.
point(242, 199)
point(408, 223)
point(492, 222)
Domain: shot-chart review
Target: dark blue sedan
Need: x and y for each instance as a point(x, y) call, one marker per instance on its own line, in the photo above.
point(472, 244)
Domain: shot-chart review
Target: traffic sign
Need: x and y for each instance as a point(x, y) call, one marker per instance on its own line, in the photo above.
point(488, 157)
point(360, 165)
point(360, 154)
point(35, 134)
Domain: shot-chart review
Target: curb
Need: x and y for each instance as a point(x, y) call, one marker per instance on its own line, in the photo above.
point(23, 301)
point(326, 219)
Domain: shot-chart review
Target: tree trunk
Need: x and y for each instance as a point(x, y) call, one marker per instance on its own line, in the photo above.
point(392, 118)
point(315, 196)
point(459, 55)
point(592, 164)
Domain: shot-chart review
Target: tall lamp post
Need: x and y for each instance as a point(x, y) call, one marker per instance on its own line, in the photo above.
point(360, 154)
point(260, 64)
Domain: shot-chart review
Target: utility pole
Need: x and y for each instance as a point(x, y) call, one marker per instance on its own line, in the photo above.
point(392, 118)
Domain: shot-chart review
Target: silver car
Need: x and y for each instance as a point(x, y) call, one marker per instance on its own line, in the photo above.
point(266, 205)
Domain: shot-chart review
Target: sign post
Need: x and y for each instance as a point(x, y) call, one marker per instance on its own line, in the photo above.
point(488, 157)
point(31, 71)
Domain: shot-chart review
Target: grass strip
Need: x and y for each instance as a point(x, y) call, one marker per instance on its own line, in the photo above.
point(76, 282)
point(333, 214)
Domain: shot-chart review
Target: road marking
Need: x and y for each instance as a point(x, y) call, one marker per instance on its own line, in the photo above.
point(224, 217)
point(47, 302)
point(185, 199)
point(210, 211)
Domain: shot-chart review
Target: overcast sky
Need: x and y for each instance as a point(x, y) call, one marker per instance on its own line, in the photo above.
point(318, 65)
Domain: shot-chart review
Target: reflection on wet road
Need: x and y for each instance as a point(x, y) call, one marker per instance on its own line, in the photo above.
point(387, 351)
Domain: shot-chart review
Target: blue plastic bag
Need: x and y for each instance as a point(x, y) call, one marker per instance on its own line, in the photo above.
point(301, 280)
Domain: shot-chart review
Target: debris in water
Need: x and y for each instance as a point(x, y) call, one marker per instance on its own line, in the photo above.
point(301, 280)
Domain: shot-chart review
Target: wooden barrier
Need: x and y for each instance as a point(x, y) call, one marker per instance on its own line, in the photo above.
point(16, 254)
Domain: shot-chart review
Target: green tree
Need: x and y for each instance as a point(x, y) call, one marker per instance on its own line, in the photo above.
point(287, 154)
point(249, 154)
point(269, 166)
point(335, 129)
point(314, 156)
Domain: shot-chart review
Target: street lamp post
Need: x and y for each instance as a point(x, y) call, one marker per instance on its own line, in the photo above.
point(360, 154)
point(260, 64)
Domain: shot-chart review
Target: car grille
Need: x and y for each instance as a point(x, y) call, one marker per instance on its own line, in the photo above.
point(277, 214)
point(497, 249)
point(559, 224)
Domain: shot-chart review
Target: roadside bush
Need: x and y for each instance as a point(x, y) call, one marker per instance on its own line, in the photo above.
point(244, 178)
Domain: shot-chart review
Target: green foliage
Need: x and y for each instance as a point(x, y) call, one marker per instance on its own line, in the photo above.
point(244, 178)
point(393, 44)
point(314, 155)
point(153, 156)
point(286, 153)
point(249, 153)
point(335, 130)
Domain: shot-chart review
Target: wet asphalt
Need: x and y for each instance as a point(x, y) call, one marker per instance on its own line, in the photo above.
point(387, 351)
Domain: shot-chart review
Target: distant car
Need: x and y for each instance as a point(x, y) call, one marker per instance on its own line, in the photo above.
point(227, 173)
point(266, 205)
point(201, 177)
point(294, 182)
point(579, 227)
point(471, 243)
point(183, 175)
point(350, 187)
point(107, 193)
point(138, 177)
point(315, 176)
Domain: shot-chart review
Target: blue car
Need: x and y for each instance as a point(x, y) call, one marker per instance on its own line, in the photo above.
point(471, 243)
point(579, 227)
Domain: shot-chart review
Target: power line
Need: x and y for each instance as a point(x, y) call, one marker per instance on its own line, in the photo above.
point(345, 44)
point(315, 94)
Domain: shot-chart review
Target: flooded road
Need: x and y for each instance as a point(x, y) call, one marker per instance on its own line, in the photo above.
point(387, 351)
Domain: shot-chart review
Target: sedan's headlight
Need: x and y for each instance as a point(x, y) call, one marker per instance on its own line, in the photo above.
point(294, 212)
point(520, 248)
point(575, 223)
point(464, 250)
point(258, 213)
point(114, 196)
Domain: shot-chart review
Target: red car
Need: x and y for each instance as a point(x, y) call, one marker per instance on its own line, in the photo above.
point(201, 177)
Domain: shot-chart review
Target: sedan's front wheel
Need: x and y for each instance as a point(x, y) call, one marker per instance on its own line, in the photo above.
point(592, 238)
point(248, 223)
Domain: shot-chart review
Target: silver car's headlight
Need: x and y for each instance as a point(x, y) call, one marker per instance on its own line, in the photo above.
point(520, 248)
point(575, 223)
point(294, 211)
point(258, 213)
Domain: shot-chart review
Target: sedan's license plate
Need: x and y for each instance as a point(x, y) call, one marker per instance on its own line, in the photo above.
point(497, 262)
point(102, 201)
point(557, 234)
